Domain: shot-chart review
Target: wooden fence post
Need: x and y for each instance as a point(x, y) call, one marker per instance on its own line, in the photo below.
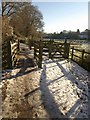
point(34, 50)
point(72, 52)
point(83, 56)
point(66, 49)
point(40, 54)
point(18, 45)
point(50, 48)
point(9, 59)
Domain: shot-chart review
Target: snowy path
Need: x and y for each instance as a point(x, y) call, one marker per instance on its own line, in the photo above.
point(58, 90)
point(68, 88)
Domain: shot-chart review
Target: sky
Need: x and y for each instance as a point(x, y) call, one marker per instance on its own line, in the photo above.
point(0, 7)
point(89, 15)
point(59, 16)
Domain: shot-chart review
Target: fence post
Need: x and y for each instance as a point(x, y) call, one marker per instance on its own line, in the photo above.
point(9, 59)
point(34, 50)
point(83, 56)
point(50, 49)
point(18, 45)
point(40, 54)
point(72, 52)
point(66, 49)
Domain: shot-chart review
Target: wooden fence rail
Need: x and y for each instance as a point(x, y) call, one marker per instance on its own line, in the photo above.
point(10, 48)
point(81, 57)
point(52, 48)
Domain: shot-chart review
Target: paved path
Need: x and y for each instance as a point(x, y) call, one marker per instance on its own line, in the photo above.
point(58, 90)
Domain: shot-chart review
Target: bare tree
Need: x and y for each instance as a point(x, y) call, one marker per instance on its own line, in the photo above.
point(28, 20)
point(9, 8)
point(25, 19)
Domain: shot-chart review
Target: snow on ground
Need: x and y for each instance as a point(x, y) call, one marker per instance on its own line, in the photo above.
point(67, 83)
point(58, 90)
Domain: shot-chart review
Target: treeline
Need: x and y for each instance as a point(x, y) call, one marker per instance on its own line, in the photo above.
point(69, 35)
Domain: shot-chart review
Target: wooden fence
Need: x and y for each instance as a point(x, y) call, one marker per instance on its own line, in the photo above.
point(81, 57)
point(52, 48)
point(10, 47)
point(38, 52)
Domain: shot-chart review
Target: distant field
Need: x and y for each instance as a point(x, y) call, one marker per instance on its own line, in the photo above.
point(80, 44)
point(86, 57)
